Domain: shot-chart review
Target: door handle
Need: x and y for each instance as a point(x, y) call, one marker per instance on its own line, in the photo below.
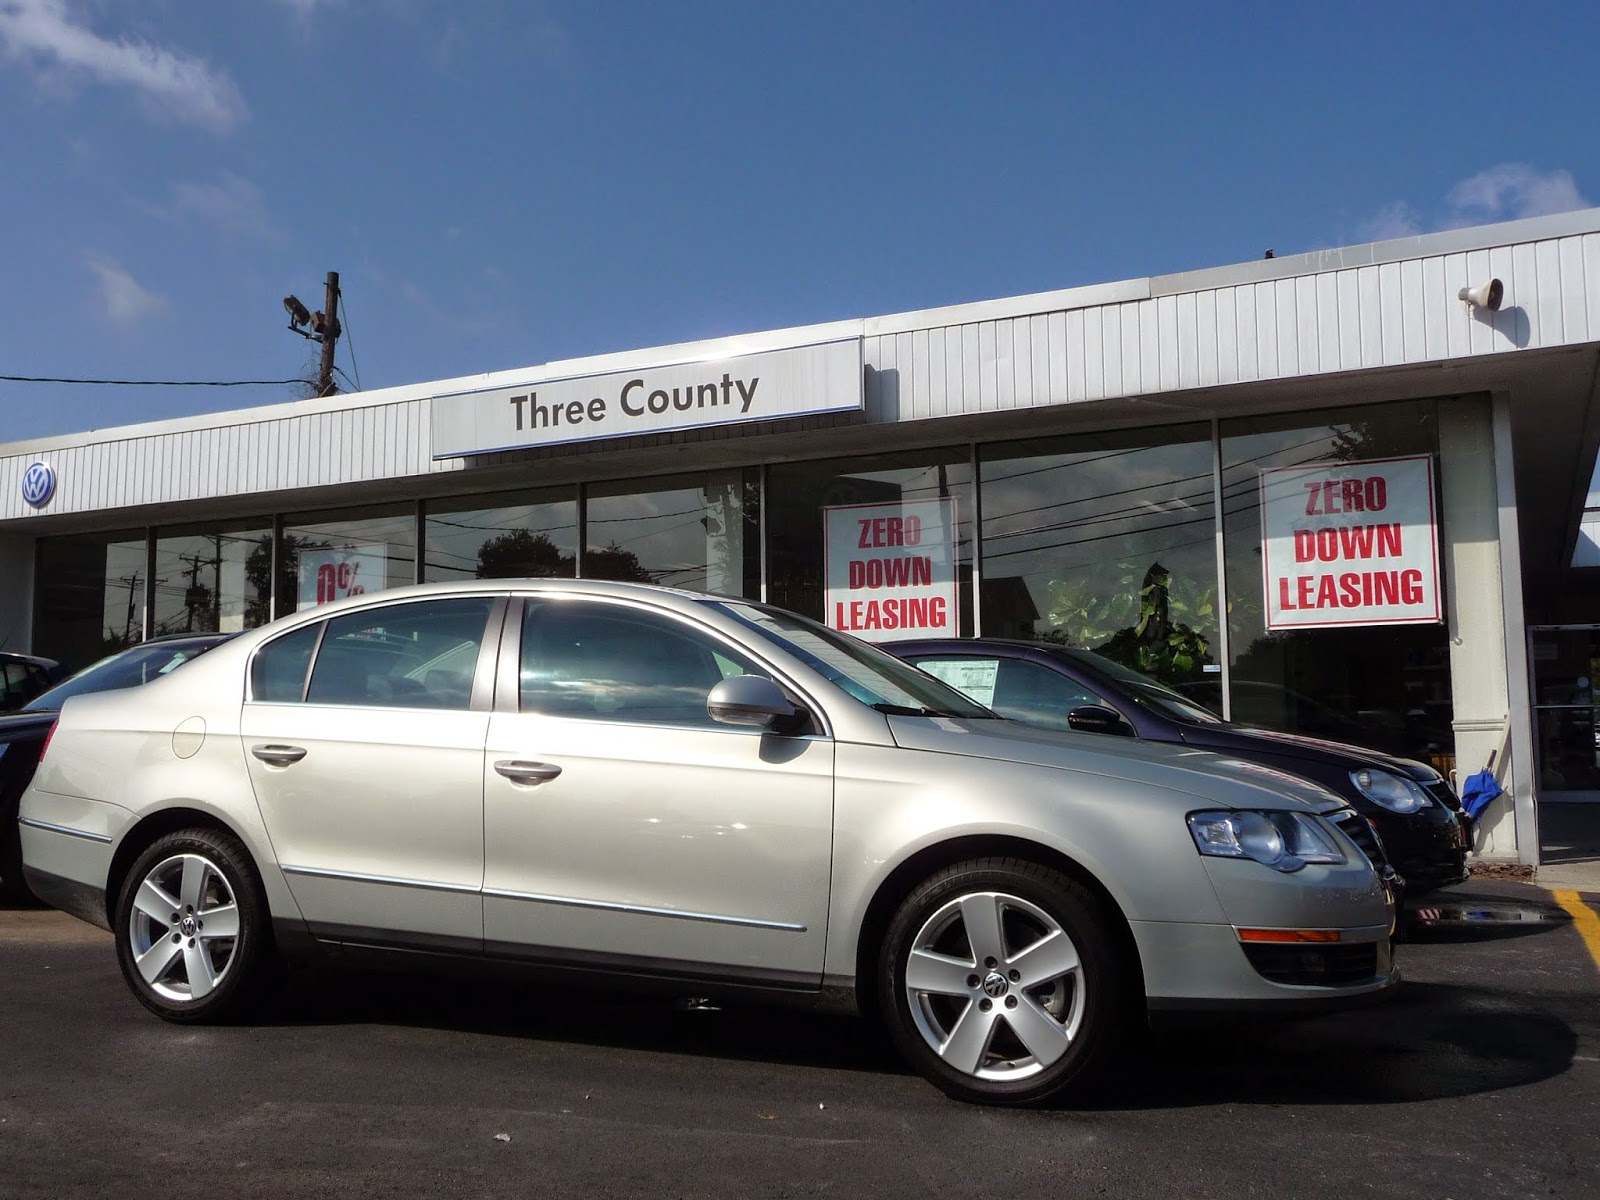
point(278, 756)
point(530, 773)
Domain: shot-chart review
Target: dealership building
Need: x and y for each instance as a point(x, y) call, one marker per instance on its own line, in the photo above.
point(1344, 493)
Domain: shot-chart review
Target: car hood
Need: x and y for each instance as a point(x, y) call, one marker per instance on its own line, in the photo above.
point(1213, 778)
point(1243, 739)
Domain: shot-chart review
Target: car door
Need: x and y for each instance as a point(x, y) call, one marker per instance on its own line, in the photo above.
point(368, 768)
point(624, 828)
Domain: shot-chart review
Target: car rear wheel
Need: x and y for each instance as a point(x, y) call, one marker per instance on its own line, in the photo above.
point(1001, 982)
point(192, 934)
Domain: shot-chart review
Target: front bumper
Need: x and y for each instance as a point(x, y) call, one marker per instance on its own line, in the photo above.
point(1429, 848)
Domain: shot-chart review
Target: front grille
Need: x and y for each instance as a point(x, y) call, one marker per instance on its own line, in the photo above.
point(1442, 795)
point(1314, 965)
point(1360, 831)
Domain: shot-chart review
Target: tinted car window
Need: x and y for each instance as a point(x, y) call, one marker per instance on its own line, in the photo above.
point(612, 663)
point(278, 674)
point(130, 668)
point(1013, 687)
point(420, 655)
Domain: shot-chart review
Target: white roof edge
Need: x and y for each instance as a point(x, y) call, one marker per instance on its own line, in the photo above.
point(1479, 237)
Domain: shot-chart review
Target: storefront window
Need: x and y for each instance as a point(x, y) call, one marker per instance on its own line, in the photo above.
point(90, 600)
point(1386, 686)
point(524, 535)
point(798, 494)
point(213, 579)
point(1106, 542)
point(327, 556)
point(699, 532)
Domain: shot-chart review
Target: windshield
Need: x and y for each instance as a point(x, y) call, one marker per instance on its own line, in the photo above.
point(1149, 692)
point(127, 669)
point(867, 673)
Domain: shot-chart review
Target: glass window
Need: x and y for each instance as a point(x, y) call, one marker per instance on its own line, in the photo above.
point(1013, 687)
point(700, 532)
point(330, 555)
point(523, 535)
point(612, 663)
point(797, 494)
point(215, 579)
point(126, 669)
point(418, 655)
point(90, 596)
point(1106, 542)
point(1383, 686)
point(278, 674)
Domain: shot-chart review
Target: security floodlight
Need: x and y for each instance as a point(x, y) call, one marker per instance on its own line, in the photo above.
point(298, 313)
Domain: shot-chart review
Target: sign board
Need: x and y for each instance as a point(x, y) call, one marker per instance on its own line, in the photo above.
point(891, 569)
point(972, 677)
point(1351, 543)
point(327, 575)
point(751, 387)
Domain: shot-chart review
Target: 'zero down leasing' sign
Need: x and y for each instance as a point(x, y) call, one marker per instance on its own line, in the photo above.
point(1350, 544)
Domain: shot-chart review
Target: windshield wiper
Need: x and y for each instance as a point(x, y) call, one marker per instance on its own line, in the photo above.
point(907, 710)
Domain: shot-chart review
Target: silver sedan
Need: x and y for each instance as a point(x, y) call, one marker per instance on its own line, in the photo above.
point(708, 795)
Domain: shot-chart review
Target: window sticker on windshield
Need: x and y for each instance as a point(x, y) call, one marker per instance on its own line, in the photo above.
point(973, 677)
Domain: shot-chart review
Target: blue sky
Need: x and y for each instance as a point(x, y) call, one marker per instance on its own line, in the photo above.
point(502, 184)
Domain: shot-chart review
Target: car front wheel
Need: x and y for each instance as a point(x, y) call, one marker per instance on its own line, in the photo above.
point(1002, 982)
point(192, 927)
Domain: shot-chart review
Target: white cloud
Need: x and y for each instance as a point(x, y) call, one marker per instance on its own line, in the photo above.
point(1396, 220)
point(1512, 190)
point(232, 204)
point(44, 33)
point(127, 303)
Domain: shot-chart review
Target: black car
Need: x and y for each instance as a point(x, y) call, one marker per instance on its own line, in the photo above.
point(23, 733)
point(24, 676)
point(1425, 835)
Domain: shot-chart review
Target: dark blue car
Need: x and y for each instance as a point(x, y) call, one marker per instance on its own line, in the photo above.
point(1419, 818)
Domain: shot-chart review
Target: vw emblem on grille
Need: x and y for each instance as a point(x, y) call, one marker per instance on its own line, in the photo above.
point(38, 484)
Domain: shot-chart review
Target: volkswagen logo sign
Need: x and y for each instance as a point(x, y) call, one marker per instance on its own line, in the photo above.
point(38, 484)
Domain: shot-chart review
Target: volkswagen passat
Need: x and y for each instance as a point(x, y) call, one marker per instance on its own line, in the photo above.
point(682, 791)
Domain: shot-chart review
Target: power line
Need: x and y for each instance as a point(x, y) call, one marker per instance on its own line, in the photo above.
point(349, 340)
point(152, 382)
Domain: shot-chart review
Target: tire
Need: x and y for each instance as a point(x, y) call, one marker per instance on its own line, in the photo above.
point(1000, 982)
point(167, 955)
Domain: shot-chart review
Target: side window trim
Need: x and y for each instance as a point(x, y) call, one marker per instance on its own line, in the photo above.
point(508, 695)
point(311, 663)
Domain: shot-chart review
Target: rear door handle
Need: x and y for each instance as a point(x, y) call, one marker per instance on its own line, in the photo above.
point(530, 773)
point(278, 756)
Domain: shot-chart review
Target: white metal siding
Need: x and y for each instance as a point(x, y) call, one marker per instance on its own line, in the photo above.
point(1321, 322)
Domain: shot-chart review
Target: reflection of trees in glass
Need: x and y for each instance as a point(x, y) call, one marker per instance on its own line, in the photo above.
point(522, 554)
point(258, 572)
point(1148, 626)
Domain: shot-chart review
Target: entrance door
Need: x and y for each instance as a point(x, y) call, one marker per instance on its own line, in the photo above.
point(625, 829)
point(1565, 664)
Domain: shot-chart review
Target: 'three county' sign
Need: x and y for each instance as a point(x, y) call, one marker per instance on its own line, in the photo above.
point(826, 377)
point(891, 569)
point(1350, 544)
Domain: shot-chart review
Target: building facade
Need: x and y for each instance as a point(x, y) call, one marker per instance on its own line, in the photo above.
point(1321, 493)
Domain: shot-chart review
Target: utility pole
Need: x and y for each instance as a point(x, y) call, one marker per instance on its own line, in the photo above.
point(330, 335)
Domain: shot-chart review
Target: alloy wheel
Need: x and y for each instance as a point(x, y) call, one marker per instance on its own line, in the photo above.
point(183, 928)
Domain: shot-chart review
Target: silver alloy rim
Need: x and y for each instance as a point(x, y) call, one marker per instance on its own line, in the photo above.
point(995, 986)
point(183, 928)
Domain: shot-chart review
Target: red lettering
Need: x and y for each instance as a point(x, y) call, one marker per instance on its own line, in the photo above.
point(1304, 590)
point(1356, 541)
point(1305, 545)
point(866, 526)
point(1388, 540)
point(1377, 489)
point(1327, 544)
point(1411, 587)
point(1313, 490)
point(1350, 495)
point(913, 531)
point(1284, 602)
point(1350, 589)
point(1326, 597)
point(1385, 588)
point(1330, 496)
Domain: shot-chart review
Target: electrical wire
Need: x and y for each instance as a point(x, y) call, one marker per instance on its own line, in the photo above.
point(152, 382)
point(344, 328)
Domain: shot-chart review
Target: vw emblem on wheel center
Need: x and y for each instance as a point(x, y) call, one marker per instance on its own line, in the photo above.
point(38, 484)
point(995, 985)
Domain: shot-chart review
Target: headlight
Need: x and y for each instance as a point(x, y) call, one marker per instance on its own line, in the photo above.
point(1391, 791)
point(1284, 841)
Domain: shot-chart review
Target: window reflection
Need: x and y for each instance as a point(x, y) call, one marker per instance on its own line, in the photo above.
point(699, 532)
point(329, 556)
point(1387, 687)
point(213, 580)
point(90, 600)
point(525, 535)
point(1105, 542)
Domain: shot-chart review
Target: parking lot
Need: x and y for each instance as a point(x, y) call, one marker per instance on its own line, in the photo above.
point(1481, 1078)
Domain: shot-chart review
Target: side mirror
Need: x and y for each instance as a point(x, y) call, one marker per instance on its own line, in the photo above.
point(748, 700)
point(1097, 718)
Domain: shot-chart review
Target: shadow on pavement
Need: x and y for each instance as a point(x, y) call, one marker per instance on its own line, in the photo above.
point(1432, 1041)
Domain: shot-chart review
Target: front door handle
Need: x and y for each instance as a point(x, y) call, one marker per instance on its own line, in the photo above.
point(530, 773)
point(278, 756)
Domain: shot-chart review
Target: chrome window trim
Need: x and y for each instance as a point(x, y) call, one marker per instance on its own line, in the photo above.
point(643, 910)
point(65, 829)
point(466, 889)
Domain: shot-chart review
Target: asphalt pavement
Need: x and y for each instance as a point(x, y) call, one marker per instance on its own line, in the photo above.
point(1480, 1078)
